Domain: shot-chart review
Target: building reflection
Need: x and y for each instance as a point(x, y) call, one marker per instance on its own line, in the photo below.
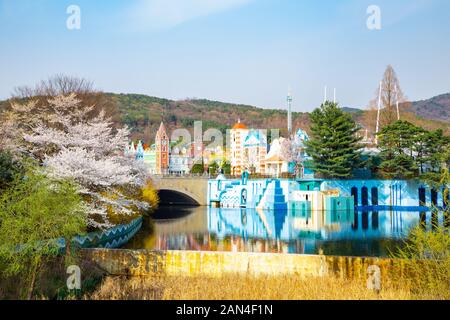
point(283, 231)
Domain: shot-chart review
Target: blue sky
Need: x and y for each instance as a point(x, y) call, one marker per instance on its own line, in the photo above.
point(241, 51)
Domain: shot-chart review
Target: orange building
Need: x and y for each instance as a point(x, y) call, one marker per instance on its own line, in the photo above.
point(238, 134)
point(162, 150)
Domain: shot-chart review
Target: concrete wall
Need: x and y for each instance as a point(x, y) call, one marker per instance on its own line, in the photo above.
point(214, 264)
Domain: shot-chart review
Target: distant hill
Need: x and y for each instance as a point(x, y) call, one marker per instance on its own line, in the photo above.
point(354, 111)
point(436, 108)
point(143, 114)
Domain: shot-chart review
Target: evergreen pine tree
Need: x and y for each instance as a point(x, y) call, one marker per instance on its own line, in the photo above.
point(334, 145)
point(398, 143)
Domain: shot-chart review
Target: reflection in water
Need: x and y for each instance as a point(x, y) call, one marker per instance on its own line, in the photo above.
point(375, 219)
point(331, 233)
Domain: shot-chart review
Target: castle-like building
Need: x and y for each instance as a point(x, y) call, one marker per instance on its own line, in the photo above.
point(162, 158)
point(250, 151)
point(247, 151)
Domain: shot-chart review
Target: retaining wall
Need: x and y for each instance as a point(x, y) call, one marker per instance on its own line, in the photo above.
point(214, 264)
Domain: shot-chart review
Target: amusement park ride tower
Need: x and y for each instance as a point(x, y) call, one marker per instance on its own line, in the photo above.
point(289, 107)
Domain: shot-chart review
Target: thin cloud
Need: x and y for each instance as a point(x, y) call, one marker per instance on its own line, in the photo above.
point(164, 14)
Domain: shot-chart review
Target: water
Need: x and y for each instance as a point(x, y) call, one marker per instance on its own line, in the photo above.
point(244, 230)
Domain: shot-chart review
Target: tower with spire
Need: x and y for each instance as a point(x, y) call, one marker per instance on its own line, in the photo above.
point(162, 150)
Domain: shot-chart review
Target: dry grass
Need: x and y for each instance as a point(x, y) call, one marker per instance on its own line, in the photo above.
point(238, 287)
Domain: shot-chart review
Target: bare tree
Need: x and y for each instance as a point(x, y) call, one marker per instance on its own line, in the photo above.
point(36, 100)
point(65, 85)
point(56, 85)
point(391, 97)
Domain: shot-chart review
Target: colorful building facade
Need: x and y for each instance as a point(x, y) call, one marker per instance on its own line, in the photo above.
point(162, 150)
point(248, 150)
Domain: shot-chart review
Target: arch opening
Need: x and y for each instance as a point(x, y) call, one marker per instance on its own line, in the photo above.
point(176, 198)
point(355, 195)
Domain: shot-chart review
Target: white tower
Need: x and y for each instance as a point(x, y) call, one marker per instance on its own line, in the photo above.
point(289, 110)
point(378, 114)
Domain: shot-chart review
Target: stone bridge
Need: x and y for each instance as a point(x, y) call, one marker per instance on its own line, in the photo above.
point(182, 190)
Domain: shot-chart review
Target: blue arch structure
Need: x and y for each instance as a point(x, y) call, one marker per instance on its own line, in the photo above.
point(374, 194)
point(354, 193)
point(244, 197)
point(365, 196)
point(422, 196)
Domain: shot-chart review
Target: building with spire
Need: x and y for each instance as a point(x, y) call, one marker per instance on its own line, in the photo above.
point(162, 150)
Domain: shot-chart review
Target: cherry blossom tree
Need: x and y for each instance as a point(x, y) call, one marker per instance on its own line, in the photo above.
point(293, 151)
point(74, 143)
point(287, 151)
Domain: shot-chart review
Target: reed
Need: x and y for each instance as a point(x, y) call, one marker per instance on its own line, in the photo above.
point(241, 287)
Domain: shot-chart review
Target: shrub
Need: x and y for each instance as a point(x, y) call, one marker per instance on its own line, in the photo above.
point(34, 212)
point(9, 169)
point(426, 254)
point(198, 168)
point(150, 195)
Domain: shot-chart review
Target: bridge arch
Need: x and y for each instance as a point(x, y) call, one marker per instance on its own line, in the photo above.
point(176, 197)
point(186, 191)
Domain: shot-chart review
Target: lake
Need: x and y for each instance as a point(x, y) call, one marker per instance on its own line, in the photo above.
point(361, 233)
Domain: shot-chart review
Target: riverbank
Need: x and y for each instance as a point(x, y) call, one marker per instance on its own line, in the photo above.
point(130, 275)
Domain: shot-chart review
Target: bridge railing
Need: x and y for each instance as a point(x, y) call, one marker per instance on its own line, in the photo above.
point(184, 176)
point(214, 176)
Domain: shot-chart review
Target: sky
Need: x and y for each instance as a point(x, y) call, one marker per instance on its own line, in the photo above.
point(239, 51)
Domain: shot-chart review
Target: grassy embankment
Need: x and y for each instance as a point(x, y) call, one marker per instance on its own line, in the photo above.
point(239, 287)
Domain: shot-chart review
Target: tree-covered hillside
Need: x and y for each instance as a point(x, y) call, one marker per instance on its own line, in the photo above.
point(143, 114)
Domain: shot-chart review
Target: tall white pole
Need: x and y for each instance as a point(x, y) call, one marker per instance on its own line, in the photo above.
point(334, 95)
point(396, 98)
point(325, 95)
point(378, 114)
point(289, 107)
